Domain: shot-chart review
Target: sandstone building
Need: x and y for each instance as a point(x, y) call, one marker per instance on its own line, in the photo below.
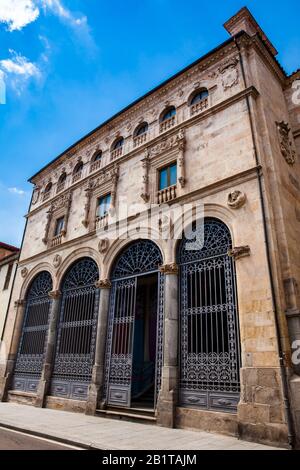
point(9, 256)
point(199, 338)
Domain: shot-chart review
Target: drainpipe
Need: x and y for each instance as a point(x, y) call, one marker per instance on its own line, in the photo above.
point(283, 373)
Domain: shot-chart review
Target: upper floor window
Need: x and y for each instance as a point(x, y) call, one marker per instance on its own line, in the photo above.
point(59, 226)
point(199, 96)
point(103, 206)
point(8, 276)
point(199, 101)
point(77, 171)
point(168, 176)
point(141, 129)
point(97, 157)
point(168, 114)
point(61, 182)
point(118, 143)
point(117, 148)
point(47, 191)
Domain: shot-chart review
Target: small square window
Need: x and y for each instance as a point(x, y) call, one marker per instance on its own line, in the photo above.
point(168, 176)
point(59, 226)
point(103, 205)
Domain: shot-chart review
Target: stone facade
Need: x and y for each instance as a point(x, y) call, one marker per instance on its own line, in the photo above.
point(237, 153)
point(8, 264)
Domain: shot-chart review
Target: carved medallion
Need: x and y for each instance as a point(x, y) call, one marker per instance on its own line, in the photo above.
point(103, 245)
point(35, 196)
point(57, 261)
point(24, 272)
point(286, 144)
point(236, 199)
point(229, 73)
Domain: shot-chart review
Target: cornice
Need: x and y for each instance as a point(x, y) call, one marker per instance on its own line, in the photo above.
point(217, 186)
point(250, 91)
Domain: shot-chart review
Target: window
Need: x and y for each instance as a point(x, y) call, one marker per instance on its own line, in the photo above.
point(118, 144)
point(97, 157)
point(59, 226)
point(8, 276)
point(200, 95)
point(78, 168)
point(103, 206)
point(62, 178)
point(170, 112)
point(142, 129)
point(168, 176)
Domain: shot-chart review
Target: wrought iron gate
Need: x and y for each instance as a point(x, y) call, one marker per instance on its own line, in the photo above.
point(210, 349)
point(141, 258)
point(75, 347)
point(31, 351)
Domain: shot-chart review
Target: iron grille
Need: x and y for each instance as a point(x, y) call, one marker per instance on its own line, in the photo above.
point(210, 350)
point(31, 353)
point(75, 347)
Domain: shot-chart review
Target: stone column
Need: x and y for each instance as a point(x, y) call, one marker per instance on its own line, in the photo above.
point(167, 399)
point(96, 387)
point(5, 381)
point(50, 349)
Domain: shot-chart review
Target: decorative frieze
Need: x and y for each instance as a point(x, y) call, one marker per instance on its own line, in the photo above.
point(286, 144)
point(166, 144)
point(236, 199)
point(171, 268)
point(239, 252)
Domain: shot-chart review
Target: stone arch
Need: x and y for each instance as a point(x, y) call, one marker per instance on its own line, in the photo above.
point(32, 274)
point(85, 252)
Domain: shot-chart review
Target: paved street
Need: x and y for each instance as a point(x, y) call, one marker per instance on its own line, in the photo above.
point(109, 434)
point(13, 440)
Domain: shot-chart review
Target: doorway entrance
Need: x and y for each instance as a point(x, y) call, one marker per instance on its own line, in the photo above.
point(135, 330)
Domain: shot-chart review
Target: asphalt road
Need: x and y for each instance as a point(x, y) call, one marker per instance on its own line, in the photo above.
point(13, 440)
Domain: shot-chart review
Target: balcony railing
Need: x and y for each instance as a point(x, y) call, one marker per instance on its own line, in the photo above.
point(139, 140)
point(95, 166)
point(101, 222)
point(116, 153)
point(77, 176)
point(166, 195)
point(46, 196)
point(167, 124)
point(57, 240)
point(198, 107)
point(60, 187)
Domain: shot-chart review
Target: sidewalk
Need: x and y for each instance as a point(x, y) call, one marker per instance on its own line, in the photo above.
point(109, 434)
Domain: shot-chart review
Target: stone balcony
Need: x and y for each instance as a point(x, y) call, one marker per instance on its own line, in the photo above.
point(199, 107)
point(95, 166)
point(139, 140)
point(60, 187)
point(167, 124)
point(46, 196)
point(101, 222)
point(116, 153)
point(77, 177)
point(56, 241)
point(166, 195)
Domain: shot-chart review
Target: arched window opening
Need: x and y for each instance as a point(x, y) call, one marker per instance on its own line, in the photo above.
point(168, 114)
point(140, 134)
point(77, 173)
point(117, 148)
point(167, 119)
point(47, 191)
point(199, 101)
point(61, 182)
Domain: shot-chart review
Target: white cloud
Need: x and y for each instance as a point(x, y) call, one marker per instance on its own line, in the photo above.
point(19, 70)
point(20, 192)
point(18, 13)
point(57, 8)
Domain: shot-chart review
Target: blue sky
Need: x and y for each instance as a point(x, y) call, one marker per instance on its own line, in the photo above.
point(70, 64)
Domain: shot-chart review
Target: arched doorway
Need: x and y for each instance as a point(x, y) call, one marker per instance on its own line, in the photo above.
point(209, 333)
point(31, 352)
point(135, 329)
point(76, 335)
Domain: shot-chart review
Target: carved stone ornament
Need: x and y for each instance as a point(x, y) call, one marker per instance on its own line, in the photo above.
point(286, 144)
point(236, 199)
point(55, 294)
point(19, 303)
point(35, 196)
point(57, 261)
point(103, 284)
point(103, 245)
point(239, 252)
point(229, 73)
point(169, 268)
point(24, 272)
point(166, 144)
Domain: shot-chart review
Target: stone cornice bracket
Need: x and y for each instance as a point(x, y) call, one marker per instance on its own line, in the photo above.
point(181, 159)
point(236, 199)
point(103, 284)
point(19, 303)
point(55, 294)
point(169, 269)
point(146, 166)
point(239, 252)
point(286, 144)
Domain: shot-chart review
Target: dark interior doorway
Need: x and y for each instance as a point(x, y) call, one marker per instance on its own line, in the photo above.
point(144, 343)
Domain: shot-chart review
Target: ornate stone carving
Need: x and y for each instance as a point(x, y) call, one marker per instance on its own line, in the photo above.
point(236, 199)
point(169, 268)
point(181, 163)
point(103, 284)
point(103, 245)
point(63, 202)
point(88, 195)
point(55, 294)
point(35, 196)
point(229, 73)
point(24, 272)
point(239, 252)
point(145, 189)
point(286, 144)
point(57, 261)
point(19, 303)
point(165, 144)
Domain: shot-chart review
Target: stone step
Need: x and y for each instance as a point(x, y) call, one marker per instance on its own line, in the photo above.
point(23, 398)
point(131, 414)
